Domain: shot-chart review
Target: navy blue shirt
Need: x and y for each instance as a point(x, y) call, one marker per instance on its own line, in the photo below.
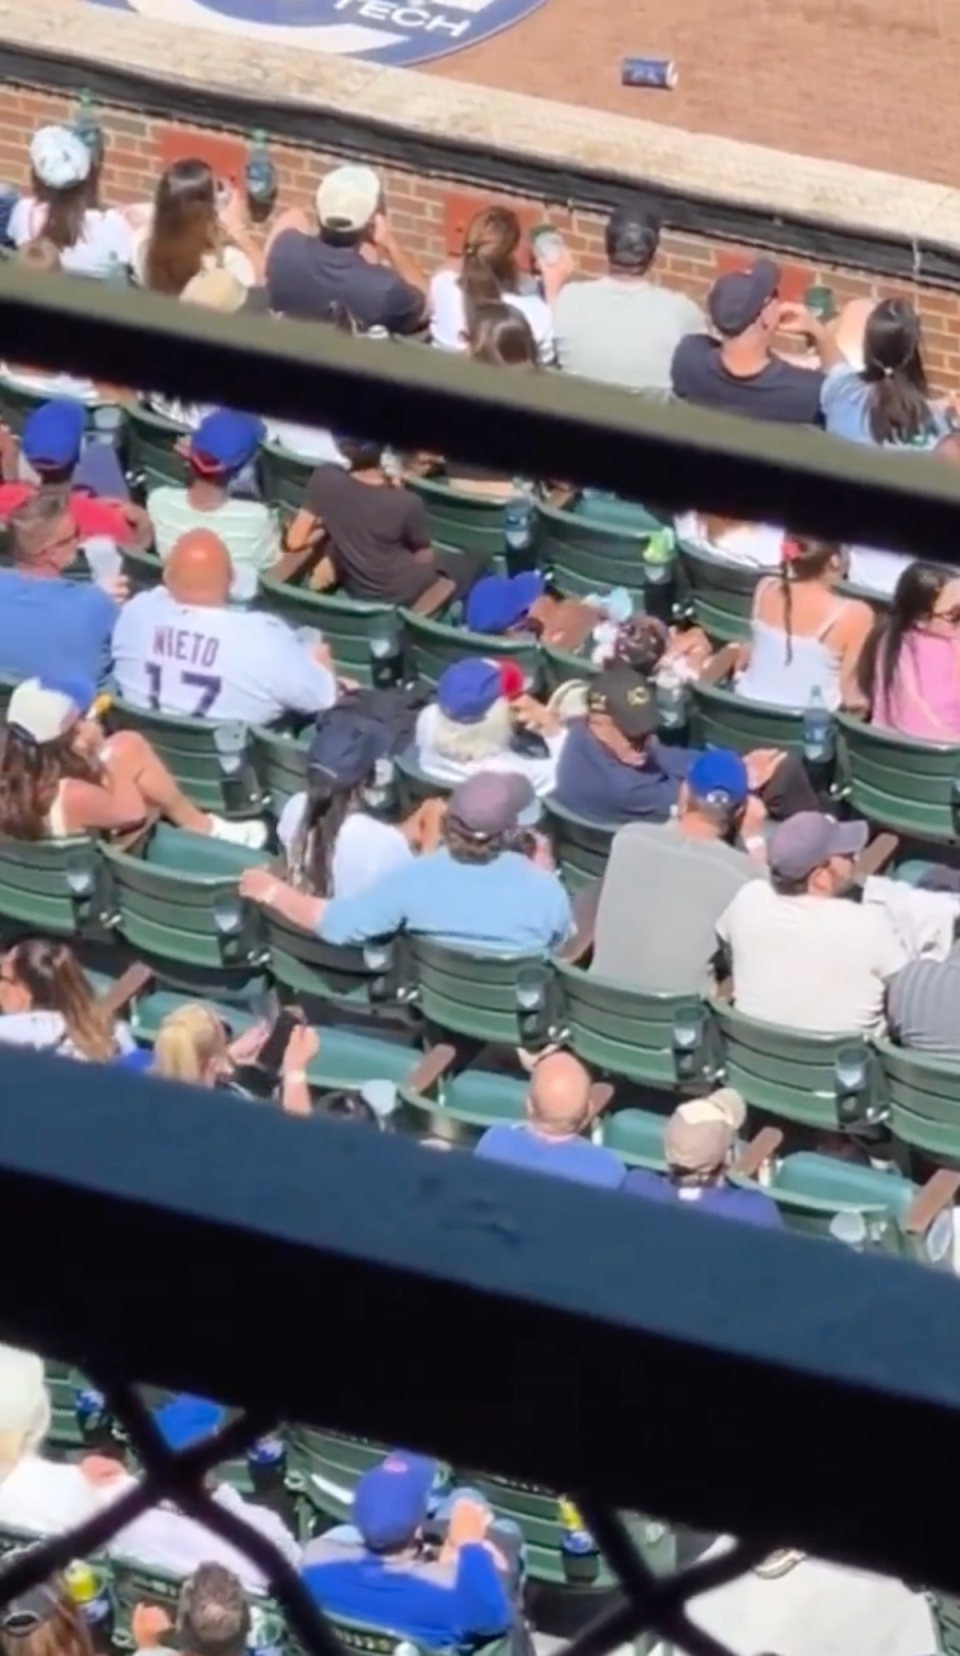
point(594, 783)
point(727, 1201)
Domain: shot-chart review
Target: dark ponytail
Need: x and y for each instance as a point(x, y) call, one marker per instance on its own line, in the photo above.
point(310, 859)
point(801, 559)
point(898, 398)
point(914, 600)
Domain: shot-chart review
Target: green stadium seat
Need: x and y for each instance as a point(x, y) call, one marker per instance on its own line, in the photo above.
point(17, 403)
point(346, 624)
point(479, 996)
point(284, 478)
point(945, 1611)
point(662, 1043)
point(826, 1082)
point(721, 718)
point(365, 1640)
point(811, 1190)
point(636, 1136)
point(462, 522)
point(151, 451)
point(560, 666)
point(178, 906)
point(458, 1108)
point(924, 1098)
point(581, 847)
point(614, 512)
point(910, 786)
point(50, 887)
point(280, 761)
point(330, 1467)
point(719, 595)
point(433, 646)
point(584, 554)
point(414, 785)
point(362, 980)
point(211, 761)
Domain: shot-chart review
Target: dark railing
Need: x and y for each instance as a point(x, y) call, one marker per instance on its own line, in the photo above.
point(362, 1283)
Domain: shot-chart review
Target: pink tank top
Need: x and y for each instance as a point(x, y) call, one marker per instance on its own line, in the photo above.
point(925, 699)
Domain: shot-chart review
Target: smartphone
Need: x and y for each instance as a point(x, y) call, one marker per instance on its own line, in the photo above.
point(271, 1054)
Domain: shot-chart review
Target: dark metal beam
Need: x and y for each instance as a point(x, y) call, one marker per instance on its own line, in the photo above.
point(516, 1323)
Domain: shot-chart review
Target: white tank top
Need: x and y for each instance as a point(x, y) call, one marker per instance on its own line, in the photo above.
point(785, 672)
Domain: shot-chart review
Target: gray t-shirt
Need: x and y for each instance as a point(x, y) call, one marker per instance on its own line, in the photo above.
point(622, 332)
point(923, 1007)
point(662, 896)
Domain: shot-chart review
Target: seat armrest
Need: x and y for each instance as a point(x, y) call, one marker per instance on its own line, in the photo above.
point(127, 987)
point(760, 1150)
point(291, 564)
point(600, 1095)
point(936, 1195)
point(430, 1068)
point(720, 665)
point(585, 906)
point(880, 851)
point(436, 597)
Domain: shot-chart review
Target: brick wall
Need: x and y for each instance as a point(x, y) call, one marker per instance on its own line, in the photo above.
point(429, 212)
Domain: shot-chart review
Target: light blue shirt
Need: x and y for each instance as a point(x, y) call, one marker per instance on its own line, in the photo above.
point(571, 1158)
point(843, 401)
point(502, 907)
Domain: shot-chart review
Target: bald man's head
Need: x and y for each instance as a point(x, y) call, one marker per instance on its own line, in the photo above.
point(198, 570)
point(558, 1102)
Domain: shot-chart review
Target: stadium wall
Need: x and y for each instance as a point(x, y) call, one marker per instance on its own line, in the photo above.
point(444, 147)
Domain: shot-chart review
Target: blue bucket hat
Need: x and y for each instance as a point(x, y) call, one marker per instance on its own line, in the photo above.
point(53, 435)
point(498, 602)
point(225, 442)
point(186, 1420)
point(391, 1501)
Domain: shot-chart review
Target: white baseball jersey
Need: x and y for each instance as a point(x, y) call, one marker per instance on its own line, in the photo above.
point(217, 664)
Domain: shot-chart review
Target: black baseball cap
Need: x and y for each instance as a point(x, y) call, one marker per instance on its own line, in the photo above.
point(627, 699)
point(736, 300)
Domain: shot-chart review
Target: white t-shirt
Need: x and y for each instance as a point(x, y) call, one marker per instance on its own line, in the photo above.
point(105, 244)
point(448, 321)
point(221, 664)
point(757, 545)
point(229, 258)
point(46, 1032)
point(250, 531)
point(819, 964)
point(540, 773)
point(365, 848)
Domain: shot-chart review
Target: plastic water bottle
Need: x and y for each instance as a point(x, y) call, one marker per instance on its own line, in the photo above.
point(88, 128)
point(581, 1561)
point(658, 557)
point(671, 698)
point(267, 1465)
point(817, 730)
point(518, 523)
point(260, 175)
point(93, 1420)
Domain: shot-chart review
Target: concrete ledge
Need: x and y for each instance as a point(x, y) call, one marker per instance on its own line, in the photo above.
point(535, 129)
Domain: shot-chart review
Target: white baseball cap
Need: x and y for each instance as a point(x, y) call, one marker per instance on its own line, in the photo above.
point(348, 198)
point(59, 158)
point(40, 713)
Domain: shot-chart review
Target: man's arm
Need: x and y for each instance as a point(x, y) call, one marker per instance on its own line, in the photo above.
point(481, 1607)
point(293, 675)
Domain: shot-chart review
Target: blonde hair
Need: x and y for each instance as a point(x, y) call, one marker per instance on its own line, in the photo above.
point(470, 744)
point(187, 1042)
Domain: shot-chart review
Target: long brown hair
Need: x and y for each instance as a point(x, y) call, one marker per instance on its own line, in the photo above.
point(502, 336)
point(30, 776)
point(184, 227)
point(50, 972)
point(489, 266)
point(64, 1632)
point(63, 225)
point(801, 559)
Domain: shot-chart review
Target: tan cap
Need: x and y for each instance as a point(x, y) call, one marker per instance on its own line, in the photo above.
point(700, 1134)
point(215, 289)
point(348, 198)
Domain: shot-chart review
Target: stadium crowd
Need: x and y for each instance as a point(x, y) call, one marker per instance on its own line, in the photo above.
point(731, 872)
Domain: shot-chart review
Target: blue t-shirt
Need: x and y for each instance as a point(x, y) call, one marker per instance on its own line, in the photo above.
point(370, 1591)
point(570, 1158)
point(595, 784)
point(503, 907)
point(728, 1201)
point(49, 627)
point(843, 400)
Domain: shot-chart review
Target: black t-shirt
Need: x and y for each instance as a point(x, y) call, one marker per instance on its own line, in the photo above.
point(305, 276)
point(374, 529)
point(779, 392)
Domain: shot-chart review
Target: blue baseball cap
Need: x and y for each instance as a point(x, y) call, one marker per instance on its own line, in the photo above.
point(344, 749)
point(185, 1420)
point(53, 435)
point(719, 773)
point(391, 1501)
point(498, 602)
point(225, 441)
point(467, 690)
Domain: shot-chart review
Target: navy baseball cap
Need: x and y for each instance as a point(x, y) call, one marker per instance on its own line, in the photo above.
point(344, 750)
point(185, 1420)
point(391, 1500)
point(719, 775)
point(498, 602)
point(736, 300)
point(808, 840)
point(225, 441)
point(53, 434)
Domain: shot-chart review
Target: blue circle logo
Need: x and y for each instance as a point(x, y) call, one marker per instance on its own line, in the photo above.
point(401, 33)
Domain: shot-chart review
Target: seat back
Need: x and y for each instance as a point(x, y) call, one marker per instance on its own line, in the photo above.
point(810, 1190)
point(50, 886)
point(188, 747)
point(560, 666)
point(899, 783)
point(143, 570)
point(462, 1107)
point(722, 719)
point(280, 761)
point(378, 1641)
point(346, 623)
point(465, 522)
point(636, 1136)
point(284, 478)
point(624, 1031)
point(791, 1075)
point(331, 1466)
point(536, 1511)
point(583, 554)
point(923, 1095)
point(433, 646)
point(945, 1611)
point(720, 593)
point(316, 974)
point(581, 847)
point(151, 450)
point(472, 995)
point(414, 784)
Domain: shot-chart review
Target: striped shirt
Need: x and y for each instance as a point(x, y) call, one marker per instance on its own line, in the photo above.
point(249, 531)
point(923, 1007)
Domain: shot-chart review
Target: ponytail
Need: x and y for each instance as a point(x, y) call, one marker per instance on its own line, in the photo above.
point(310, 858)
point(186, 1042)
point(801, 559)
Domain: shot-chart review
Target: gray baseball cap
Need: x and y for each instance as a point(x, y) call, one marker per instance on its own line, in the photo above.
point(492, 802)
point(808, 840)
